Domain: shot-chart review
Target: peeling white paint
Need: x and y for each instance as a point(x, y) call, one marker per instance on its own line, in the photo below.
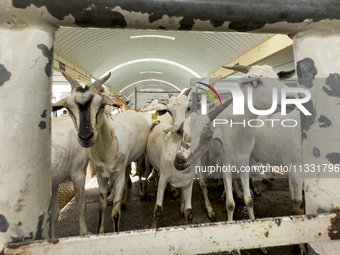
point(322, 46)
point(25, 138)
point(191, 239)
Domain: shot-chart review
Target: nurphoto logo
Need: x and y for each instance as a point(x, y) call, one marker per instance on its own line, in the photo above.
point(239, 104)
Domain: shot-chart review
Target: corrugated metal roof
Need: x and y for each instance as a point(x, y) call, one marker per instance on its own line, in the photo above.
point(99, 50)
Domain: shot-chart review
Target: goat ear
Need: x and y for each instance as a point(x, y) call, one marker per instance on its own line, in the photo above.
point(284, 75)
point(59, 105)
point(109, 101)
point(161, 112)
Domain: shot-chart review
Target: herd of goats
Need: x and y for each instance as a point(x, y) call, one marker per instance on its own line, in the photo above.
point(168, 142)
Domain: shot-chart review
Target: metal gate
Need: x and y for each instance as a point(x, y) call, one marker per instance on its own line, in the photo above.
point(26, 50)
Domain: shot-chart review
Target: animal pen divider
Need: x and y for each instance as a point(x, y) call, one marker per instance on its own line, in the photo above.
point(151, 91)
point(26, 50)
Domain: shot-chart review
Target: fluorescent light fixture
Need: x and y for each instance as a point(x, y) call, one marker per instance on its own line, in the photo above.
point(155, 60)
point(150, 72)
point(153, 36)
point(151, 80)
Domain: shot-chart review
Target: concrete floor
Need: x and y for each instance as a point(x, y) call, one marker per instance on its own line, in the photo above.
point(138, 214)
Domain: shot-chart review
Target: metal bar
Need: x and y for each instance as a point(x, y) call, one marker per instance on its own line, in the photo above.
point(227, 15)
point(158, 91)
point(194, 239)
point(25, 133)
point(135, 98)
point(320, 131)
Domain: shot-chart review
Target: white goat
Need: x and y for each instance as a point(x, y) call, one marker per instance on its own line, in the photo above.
point(179, 109)
point(69, 163)
point(238, 141)
point(282, 146)
point(114, 141)
point(150, 112)
point(168, 150)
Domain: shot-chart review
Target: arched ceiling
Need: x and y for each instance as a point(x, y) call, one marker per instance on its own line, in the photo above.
point(100, 50)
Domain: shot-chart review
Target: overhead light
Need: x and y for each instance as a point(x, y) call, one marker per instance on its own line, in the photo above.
point(151, 85)
point(148, 80)
point(153, 36)
point(150, 72)
point(154, 60)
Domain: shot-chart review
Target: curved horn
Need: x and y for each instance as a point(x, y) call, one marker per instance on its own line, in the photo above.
point(98, 83)
point(73, 82)
point(283, 75)
point(218, 109)
point(186, 93)
point(239, 68)
point(174, 128)
point(169, 131)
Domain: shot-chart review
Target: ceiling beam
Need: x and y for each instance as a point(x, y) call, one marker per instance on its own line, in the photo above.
point(267, 48)
point(63, 64)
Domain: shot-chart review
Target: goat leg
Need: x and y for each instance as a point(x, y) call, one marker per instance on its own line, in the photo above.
point(102, 183)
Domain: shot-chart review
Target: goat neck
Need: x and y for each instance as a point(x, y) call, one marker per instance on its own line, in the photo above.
point(106, 144)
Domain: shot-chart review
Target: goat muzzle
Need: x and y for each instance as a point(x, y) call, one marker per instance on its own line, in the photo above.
point(181, 162)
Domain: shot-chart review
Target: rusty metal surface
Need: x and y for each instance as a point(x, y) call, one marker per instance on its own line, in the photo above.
point(334, 228)
point(193, 239)
point(248, 16)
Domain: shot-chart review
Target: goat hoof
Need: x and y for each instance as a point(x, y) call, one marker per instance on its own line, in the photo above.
point(298, 207)
point(303, 249)
point(181, 210)
point(143, 197)
point(211, 216)
point(264, 250)
point(188, 215)
point(116, 222)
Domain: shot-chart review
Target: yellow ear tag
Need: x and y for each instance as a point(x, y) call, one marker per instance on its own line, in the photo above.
point(155, 116)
